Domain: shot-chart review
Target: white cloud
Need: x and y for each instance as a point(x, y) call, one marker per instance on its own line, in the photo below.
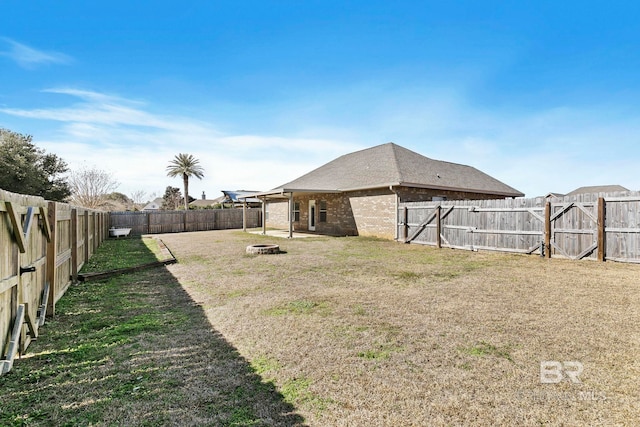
point(124, 138)
point(29, 58)
point(557, 149)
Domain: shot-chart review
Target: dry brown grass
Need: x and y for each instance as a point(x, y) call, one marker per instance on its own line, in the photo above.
point(358, 331)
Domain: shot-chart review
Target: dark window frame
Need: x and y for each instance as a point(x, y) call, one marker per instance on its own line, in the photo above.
point(296, 211)
point(322, 211)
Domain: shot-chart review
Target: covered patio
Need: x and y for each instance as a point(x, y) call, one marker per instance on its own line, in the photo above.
point(280, 195)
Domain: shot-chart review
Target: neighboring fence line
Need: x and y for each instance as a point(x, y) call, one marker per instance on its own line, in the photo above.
point(595, 226)
point(42, 246)
point(154, 222)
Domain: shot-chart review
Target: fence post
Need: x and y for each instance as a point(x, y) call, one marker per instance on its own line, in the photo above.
point(439, 226)
point(52, 255)
point(148, 215)
point(547, 229)
point(601, 229)
point(405, 224)
point(94, 231)
point(86, 235)
point(74, 245)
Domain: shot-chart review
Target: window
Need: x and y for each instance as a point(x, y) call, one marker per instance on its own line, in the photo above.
point(296, 212)
point(322, 211)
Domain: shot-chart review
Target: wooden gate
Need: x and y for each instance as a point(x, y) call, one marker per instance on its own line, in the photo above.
point(573, 229)
point(502, 225)
point(24, 292)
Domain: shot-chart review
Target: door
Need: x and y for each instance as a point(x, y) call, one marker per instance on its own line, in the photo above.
point(312, 215)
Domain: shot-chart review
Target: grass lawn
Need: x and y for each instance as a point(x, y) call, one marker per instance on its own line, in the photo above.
point(122, 253)
point(336, 332)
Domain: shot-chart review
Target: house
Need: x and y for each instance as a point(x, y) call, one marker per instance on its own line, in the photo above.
point(154, 205)
point(227, 200)
point(598, 189)
point(593, 189)
point(358, 193)
point(204, 203)
point(553, 194)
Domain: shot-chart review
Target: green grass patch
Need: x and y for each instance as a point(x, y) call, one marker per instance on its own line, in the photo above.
point(486, 349)
point(297, 391)
point(298, 307)
point(408, 275)
point(263, 365)
point(379, 352)
point(123, 253)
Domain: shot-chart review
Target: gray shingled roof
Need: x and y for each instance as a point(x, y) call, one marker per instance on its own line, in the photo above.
point(598, 189)
point(389, 164)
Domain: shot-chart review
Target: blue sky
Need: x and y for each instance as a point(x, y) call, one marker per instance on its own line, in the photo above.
point(542, 95)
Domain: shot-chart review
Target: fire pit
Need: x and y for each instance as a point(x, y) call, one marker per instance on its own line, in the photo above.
point(263, 249)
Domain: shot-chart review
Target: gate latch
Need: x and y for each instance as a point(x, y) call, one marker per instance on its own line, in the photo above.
point(27, 270)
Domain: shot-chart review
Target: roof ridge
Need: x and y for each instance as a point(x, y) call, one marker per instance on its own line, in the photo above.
point(396, 161)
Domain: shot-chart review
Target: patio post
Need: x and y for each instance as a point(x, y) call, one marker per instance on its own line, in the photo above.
point(244, 215)
point(291, 215)
point(264, 216)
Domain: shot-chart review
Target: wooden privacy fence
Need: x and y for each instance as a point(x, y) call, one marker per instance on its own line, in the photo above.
point(42, 247)
point(179, 221)
point(594, 226)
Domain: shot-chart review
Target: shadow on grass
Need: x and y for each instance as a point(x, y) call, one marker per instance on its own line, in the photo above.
point(136, 350)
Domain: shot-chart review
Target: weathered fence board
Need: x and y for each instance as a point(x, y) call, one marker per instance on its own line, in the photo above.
point(41, 249)
point(593, 226)
point(179, 221)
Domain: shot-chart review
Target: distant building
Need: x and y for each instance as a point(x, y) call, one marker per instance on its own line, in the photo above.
point(204, 203)
point(154, 205)
point(597, 189)
point(593, 189)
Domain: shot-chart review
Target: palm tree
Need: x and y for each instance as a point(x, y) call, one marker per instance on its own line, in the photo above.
point(185, 165)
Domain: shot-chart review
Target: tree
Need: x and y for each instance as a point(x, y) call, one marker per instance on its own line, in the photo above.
point(185, 165)
point(171, 199)
point(138, 197)
point(27, 169)
point(118, 202)
point(90, 188)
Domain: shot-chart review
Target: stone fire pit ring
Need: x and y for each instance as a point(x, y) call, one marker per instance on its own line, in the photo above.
point(263, 249)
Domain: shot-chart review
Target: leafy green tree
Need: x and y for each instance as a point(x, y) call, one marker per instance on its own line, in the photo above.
point(27, 169)
point(186, 166)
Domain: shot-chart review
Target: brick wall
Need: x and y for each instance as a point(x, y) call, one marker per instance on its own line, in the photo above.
point(364, 213)
point(339, 217)
point(278, 214)
point(374, 213)
point(412, 194)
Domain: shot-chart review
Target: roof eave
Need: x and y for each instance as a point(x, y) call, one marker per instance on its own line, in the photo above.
point(435, 187)
point(466, 190)
point(284, 192)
